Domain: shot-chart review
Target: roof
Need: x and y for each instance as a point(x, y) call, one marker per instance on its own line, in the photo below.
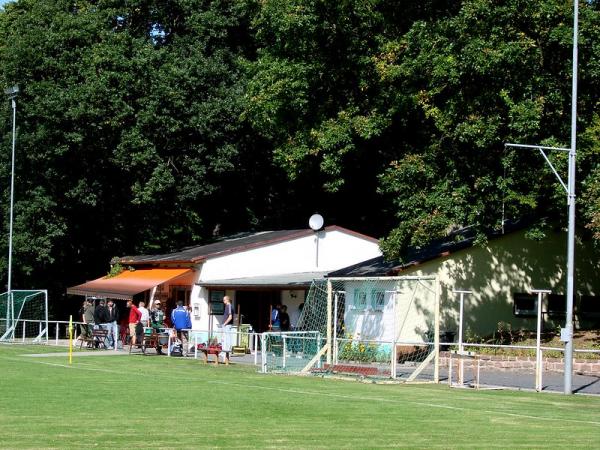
point(288, 280)
point(455, 241)
point(232, 244)
point(126, 284)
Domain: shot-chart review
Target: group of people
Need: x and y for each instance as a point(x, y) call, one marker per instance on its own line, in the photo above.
point(105, 315)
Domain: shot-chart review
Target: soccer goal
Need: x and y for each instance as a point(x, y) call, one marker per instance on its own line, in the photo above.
point(24, 315)
point(385, 327)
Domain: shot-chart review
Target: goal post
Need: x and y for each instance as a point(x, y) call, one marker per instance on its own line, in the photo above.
point(24, 315)
point(384, 327)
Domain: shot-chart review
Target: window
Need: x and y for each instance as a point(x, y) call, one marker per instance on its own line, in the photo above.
point(557, 305)
point(589, 306)
point(216, 306)
point(525, 305)
point(360, 299)
point(377, 300)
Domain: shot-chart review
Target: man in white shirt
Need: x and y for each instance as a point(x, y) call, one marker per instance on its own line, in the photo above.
point(145, 314)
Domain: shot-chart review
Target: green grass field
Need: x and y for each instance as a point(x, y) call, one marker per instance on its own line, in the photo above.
point(160, 402)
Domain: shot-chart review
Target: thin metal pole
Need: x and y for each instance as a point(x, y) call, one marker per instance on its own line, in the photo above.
point(12, 194)
point(436, 368)
point(283, 351)
point(538, 342)
point(335, 322)
point(567, 331)
point(571, 232)
point(317, 249)
point(394, 371)
point(538, 339)
point(460, 333)
point(329, 321)
point(461, 373)
point(263, 353)
point(46, 314)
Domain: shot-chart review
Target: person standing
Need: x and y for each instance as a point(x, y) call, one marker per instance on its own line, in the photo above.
point(181, 321)
point(157, 319)
point(284, 319)
point(145, 314)
point(227, 324)
point(101, 319)
point(157, 316)
point(113, 327)
point(275, 319)
point(134, 318)
point(88, 319)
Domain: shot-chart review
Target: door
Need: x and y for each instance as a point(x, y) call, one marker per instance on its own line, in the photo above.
point(255, 307)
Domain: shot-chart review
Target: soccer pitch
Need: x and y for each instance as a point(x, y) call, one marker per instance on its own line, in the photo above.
point(159, 402)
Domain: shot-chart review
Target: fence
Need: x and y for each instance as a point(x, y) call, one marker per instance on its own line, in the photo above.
point(518, 367)
point(511, 358)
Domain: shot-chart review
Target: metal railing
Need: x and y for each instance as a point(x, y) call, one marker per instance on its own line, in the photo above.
point(536, 368)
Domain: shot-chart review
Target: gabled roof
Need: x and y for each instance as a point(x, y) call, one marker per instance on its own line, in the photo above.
point(232, 244)
point(455, 241)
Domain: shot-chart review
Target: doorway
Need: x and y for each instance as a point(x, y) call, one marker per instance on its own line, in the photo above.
point(255, 307)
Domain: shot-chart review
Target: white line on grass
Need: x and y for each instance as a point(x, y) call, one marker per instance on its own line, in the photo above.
point(328, 394)
point(388, 400)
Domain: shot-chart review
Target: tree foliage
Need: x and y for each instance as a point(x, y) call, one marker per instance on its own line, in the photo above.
point(146, 125)
point(430, 94)
point(128, 124)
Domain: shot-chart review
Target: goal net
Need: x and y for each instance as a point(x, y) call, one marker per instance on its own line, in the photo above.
point(24, 316)
point(369, 327)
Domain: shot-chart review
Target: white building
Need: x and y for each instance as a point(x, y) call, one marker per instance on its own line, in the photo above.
point(256, 270)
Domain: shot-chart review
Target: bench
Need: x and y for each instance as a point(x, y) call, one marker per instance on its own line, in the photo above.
point(96, 340)
point(213, 350)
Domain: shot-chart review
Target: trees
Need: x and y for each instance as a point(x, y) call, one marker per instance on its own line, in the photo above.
point(145, 125)
point(429, 95)
point(128, 125)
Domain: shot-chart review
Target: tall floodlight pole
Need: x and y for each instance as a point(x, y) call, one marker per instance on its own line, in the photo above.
point(567, 331)
point(571, 239)
point(12, 93)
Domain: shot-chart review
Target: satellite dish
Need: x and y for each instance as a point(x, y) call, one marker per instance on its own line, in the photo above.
point(316, 222)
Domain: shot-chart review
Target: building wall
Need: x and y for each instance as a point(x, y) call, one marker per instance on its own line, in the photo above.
point(335, 250)
point(381, 309)
point(507, 265)
point(293, 299)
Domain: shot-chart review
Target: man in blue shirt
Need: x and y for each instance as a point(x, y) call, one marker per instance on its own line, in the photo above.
point(181, 321)
point(275, 319)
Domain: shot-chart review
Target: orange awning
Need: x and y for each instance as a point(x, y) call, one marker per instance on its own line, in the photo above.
point(127, 283)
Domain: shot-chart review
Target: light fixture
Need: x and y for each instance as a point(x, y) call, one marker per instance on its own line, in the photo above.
point(316, 222)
